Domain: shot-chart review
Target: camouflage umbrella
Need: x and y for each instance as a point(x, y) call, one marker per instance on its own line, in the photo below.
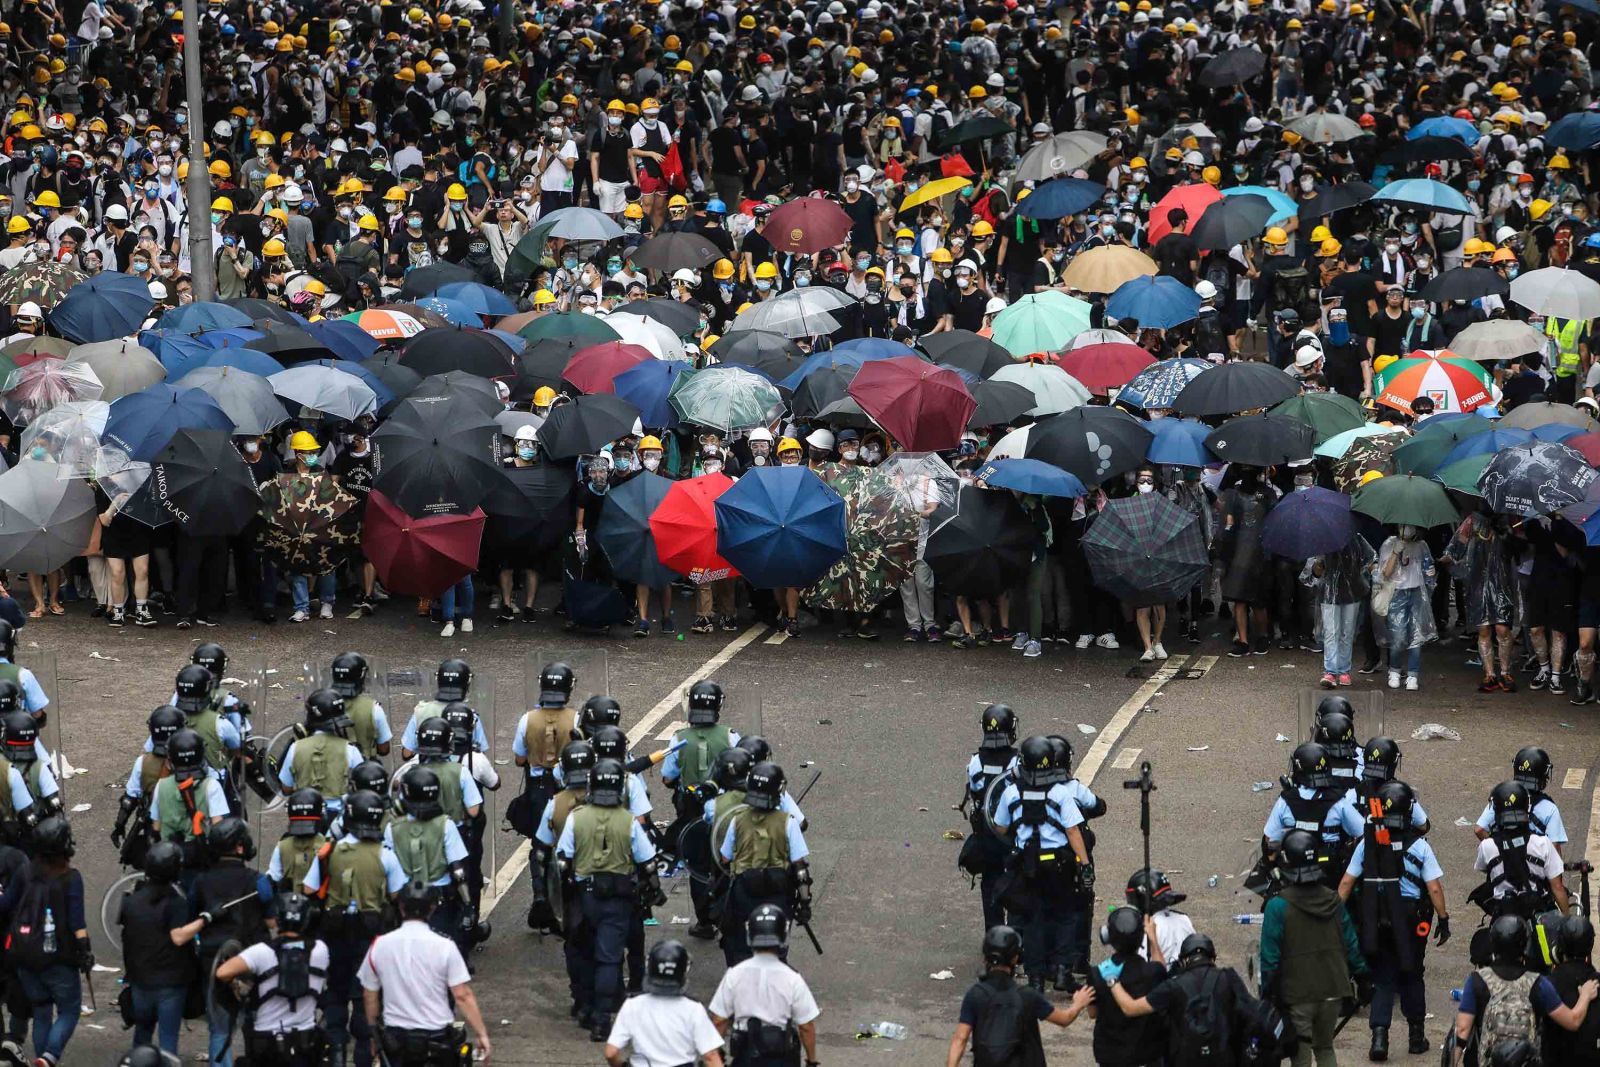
point(44, 282)
point(311, 525)
point(1374, 453)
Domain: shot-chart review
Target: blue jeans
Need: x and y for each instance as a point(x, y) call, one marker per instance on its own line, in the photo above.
point(1338, 634)
point(1403, 612)
point(299, 590)
point(57, 997)
point(158, 1009)
point(461, 594)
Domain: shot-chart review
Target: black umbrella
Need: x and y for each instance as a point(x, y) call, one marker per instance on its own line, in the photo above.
point(1234, 220)
point(200, 478)
point(479, 392)
point(1000, 403)
point(822, 387)
point(967, 350)
point(1233, 67)
point(438, 455)
point(387, 368)
point(586, 424)
point(675, 315)
point(975, 129)
point(542, 363)
point(530, 511)
point(1095, 443)
point(1334, 198)
point(1235, 387)
point(1427, 150)
point(980, 546)
point(1466, 283)
point(1262, 440)
point(424, 280)
point(669, 251)
point(625, 534)
point(287, 342)
point(770, 353)
point(1536, 478)
point(1145, 550)
point(447, 348)
point(265, 309)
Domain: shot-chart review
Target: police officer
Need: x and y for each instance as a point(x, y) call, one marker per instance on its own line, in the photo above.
point(188, 801)
point(354, 880)
point(562, 910)
point(1401, 901)
point(452, 682)
point(290, 974)
point(1381, 763)
point(763, 1002)
point(478, 769)
point(664, 1025)
point(1531, 768)
point(369, 724)
point(148, 769)
point(725, 793)
point(766, 855)
point(297, 849)
point(431, 851)
point(323, 759)
point(1001, 1013)
point(192, 695)
point(608, 856)
point(1335, 731)
point(410, 978)
point(611, 743)
point(1049, 866)
point(599, 710)
point(541, 735)
point(33, 795)
point(984, 853)
point(1522, 869)
point(236, 711)
point(1313, 799)
point(33, 695)
point(695, 748)
point(232, 898)
point(458, 792)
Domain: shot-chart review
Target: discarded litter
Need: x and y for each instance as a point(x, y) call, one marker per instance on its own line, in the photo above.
point(81, 807)
point(1430, 731)
point(1260, 787)
point(942, 976)
point(922, 809)
point(1199, 748)
point(824, 722)
point(1281, 737)
point(681, 920)
point(106, 970)
point(1085, 728)
point(892, 1031)
point(1463, 822)
point(97, 655)
point(954, 835)
point(808, 763)
point(1213, 882)
point(652, 921)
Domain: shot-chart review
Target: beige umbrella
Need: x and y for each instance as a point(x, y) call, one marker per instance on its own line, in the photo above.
point(123, 366)
point(1497, 339)
point(1103, 269)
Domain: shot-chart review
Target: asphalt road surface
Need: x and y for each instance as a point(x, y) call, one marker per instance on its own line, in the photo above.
point(889, 726)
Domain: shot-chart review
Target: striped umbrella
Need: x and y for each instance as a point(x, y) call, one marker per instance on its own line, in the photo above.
point(1452, 384)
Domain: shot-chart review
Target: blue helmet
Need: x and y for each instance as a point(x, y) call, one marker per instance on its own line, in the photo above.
point(716, 207)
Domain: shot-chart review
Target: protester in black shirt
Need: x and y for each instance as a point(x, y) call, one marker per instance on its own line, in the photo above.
point(1000, 1018)
point(158, 947)
point(1176, 253)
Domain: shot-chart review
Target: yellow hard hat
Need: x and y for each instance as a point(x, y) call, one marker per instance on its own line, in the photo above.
point(31, 132)
point(264, 137)
point(891, 123)
point(219, 169)
point(788, 444)
point(678, 200)
point(48, 198)
point(285, 44)
point(1330, 248)
point(20, 118)
point(1276, 236)
point(1372, 476)
point(1357, 10)
point(648, 442)
point(978, 26)
point(1511, 94)
point(983, 228)
point(395, 193)
point(543, 297)
point(1291, 138)
point(1212, 176)
point(1539, 209)
point(17, 224)
point(222, 203)
point(270, 28)
point(649, 103)
point(747, 22)
point(183, 170)
point(1130, 115)
point(304, 442)
point(977, 92)
point(766, 270)
point(457, 191)
point(315, 287)
point(406, 74)
point(1382, 362)
point(424, 67)
point(683, 66)
point(544, 396)
point(97, 125)
point(1293, 24)
point(279, 214)
point(368, 223)
point(1175, 154)
point(1023, 194)
point(1559, 162)
point(1320, 234)
point(722, 270)
point(940, 255)
point(903, 232)
point(274, 247)
point(616, 105)
point(633, 211)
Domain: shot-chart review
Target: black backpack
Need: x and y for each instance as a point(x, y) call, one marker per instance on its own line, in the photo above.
point(1204, 1028)
point(25, 935)
point(1292, 287)
point(1001, 1036)
point(1269, 1036)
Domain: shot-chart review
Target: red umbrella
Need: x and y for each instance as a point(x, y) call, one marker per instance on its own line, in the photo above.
point(420, 557)
point(924, 407)
point(594, 369)
point(1588, 444)
point(685, 528)
point(806, 225)
point(1193, 198)
point(1105, 367)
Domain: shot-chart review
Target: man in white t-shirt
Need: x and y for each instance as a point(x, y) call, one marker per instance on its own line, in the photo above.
point(764, 1001)
point(285, 1025)
point(663, 1026)
point(1532, 862)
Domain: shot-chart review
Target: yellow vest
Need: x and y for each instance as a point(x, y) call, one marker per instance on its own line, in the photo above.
point(1567, 335)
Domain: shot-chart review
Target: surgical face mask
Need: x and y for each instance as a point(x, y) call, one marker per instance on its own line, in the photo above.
point(1410, 227)
point(311, 459)
point(141, 266)
point(1524, 195)
point(1474, 184)
point(850, 454)
point(1392, 248)
point(903, 249)
point(1418, 313)
point(651, 462)
point(614, 121)
point(165, 170)
point(414, 221)
point(345, 213)
point(1308, 183)
point(852, 186)
point(1147, 487)
point(569, 263)
point(1108, 229)
point(763, 284)
point(216, 218)
point(37, 452)
point(872, 454)
point(964, 282)
point(863, 262)
point(458, 205)
point(262, 151)
point(251, 448)
point(801, 279)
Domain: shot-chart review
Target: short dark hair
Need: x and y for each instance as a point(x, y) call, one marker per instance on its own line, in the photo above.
point(1177, 216)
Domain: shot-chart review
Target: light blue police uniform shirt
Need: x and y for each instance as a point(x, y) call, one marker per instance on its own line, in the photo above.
point(1420, 861)
point(480, 740)
point(798, 850)
point(785, 803)
point(33, 697)
point(638, 840)
point(216, 801)
point(669, 766)
point(1059, 804)
point(1342, 815)
point(394, 875)
point(1545, 811)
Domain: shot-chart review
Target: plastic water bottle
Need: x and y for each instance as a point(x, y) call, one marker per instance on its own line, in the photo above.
point(892, 1031)
point(49, 931)
point(1252, 918)
point(1455, 996)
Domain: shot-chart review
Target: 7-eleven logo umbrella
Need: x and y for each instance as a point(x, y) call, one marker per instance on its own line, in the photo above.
point(1452, 384)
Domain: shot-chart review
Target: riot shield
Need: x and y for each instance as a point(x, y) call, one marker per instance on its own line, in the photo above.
point(42, 665)
point(741, 714)
point(1367, 704)
point(1254, 881)
point(719, 833)
point(991, 802)
point(111, 907)
point(319, 675)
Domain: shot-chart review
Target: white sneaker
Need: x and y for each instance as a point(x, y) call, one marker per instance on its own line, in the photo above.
point(1107, 641)
point(466, 626)
point(1394, 679)
point(1147, 655)
point(449, 630)
point(1084, 641)
point(300, 616)
point(1411, 683)
point(1160, 652)
point(327, 611)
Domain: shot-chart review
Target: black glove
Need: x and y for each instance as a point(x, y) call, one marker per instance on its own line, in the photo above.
point(85, 956)
point(1086, 875)
point(119, 834)
point(1441, 930)
point(468, 923)
point(1364, 988)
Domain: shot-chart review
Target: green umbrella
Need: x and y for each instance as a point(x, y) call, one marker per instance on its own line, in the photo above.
point(1327, 414)
point(1405, 499)
point(1423, 453)
point(725, 398)
point(44, 282)
point(561, 325)
point(1463, 474)
point(1040, 322)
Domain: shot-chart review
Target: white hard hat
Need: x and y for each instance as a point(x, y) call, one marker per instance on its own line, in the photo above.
point(1193, 158)
point(223, 129)
point(995, 81)
point(749, 93)
point(1140, 18)
point(30, 310)
point(1504, 234)
point(995, 304)
point(761, 433)
point(1205, 290)
point(292, 194)
point(1252, 125)
point(338, 145)
point(869, 77)
point(158, 291)
point(820, 438)
point(526, 433)
point(117, 213)
point(684, 274)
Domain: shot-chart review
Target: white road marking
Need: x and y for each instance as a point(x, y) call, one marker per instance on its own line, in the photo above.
point(671, 728)
point(1592, 850)
point(1126, 759)
point(1574, 778)
point(778, 638)
point(1113, 730)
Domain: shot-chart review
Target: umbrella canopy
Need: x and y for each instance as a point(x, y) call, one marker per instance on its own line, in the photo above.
point(780, 526)
point(45, 519)
point(1322, 127)
point(966, 350)
point(1462, 476)
point(1579, 131)
point(685, 528)
point(803, 226)
point(672, 251)
point(1497, 339)
point(44, 282)
point(1310, 522)
point(1431, 149)
point(245, 359)
point(1235, 387)
point(1284, 206)
point(595, 369)
point(1104, 269)
point(931, 191)
point(796, 313)
point(453, 312)
point(1261, 440)
point(70, 434)
point(647, 387)
point(768, 353)
point(1060, 197)
point(845, 413)
point(1094, 443)
point(311, 523)
point(42, 385)
point(923, 407)
point(981, 544)
point(561, 325)
point(1330, 200)
point(541, 364)
point(201, 480)
point(1107, 367)
point(971, 131)
point(1145, 550)
point(122, 366)
point(1054, 390)
point(332, 392)
point(530, 512)
point(26, 350)
point(419, 557)
point(345, 340)
point(203, 315)
point(1178, 442)
point(102, 308)
point(438, 455)
point(1424, 194)
point(681, 318)
point(1328, 414)
point(1233, 67)
point(883, 517)
point(395, 376)
point(1000, 403)
point(1157, 386)
point(649, 333)
point(448, 348)
point(724, 398)
point(263, 309)
point(1195, 199)
point(1159, 301)
point(1374, 452)
point(624, 530)
point(1405, 499)
point(287, 343)
point(1340, 443)
point(1557, 291)
point(1033, 476)
point(246, 399)
point(1545, 413)
point(1057, 155)
point(1233, 221)
point(1487, 444)
point(1537, 478)
point(1445, 126)
point(386, 326)
point(573, 224)
point(482, 299)
point(586, 425)
point(1040, 322)
point(425, 280)
point(1588, 444)
point(142, 423)
point(1465, 283)
point(1433, 441)
point(1453, 384)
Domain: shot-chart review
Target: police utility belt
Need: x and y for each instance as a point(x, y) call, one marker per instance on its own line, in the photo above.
point(435, 1048)
point(758, 1038)
point(609, 886)
point(288, 1044)
point(1034, 861)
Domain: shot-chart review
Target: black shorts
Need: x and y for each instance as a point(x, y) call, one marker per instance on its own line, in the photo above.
point(1589, 614)
point(1552, 604)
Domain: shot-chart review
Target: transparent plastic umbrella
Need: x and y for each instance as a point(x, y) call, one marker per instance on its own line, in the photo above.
point(70, 434)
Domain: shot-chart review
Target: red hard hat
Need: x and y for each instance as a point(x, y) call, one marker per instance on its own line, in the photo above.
point(763, 58)
point(1366, 122)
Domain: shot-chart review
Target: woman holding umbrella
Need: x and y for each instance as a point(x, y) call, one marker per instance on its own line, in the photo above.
point(1406, 563)
point(1246, 579)
point(1151, 621)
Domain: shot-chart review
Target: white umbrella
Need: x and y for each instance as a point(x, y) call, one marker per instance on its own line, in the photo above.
point(325, 389)
point(1098, 337)
point(649, 334)
point(1497, 339)
point(1557, 291)
point(1054, 388)
point(122, 366)
point(1322, 127)
point(1058, 155)
point(44, 519)
point(797, 313)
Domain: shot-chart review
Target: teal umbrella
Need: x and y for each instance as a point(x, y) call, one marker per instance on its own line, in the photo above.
point(1040, 322)
point(725, 398)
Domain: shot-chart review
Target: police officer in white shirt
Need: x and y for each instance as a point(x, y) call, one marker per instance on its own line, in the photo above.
point(409, 979)
point(290, 974)
point(664, 1028)
point(764, 1002)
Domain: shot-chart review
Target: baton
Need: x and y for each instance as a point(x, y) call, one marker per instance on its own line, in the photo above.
point(802, 796)
point(235, 903)
point(812, 934)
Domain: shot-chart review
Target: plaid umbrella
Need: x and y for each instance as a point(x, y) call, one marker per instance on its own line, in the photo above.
point(311, 523)
point(1146, 550)
point(44, 282)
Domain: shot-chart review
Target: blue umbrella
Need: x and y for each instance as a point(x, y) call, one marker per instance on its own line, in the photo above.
point(1284, 206)
point(1445, 126)
point(378, 386)
point(968, 378)
point(1155, 300)
point(1030, 476)
point(833, 357)
point(780, 526)
point(455, 311)
point(1159, 384)
point(1424, 193)
point(230, 336)
point(344, 339)
point(205, 315)
point(869, 348)
point(479, 297)
point(1309, 523)
point(1578, 131)
point(1588, 7)
point(179, 352)
point(245, 359)
point(1060, 197)
point(142, 423)
point(1555, 431)
point(515, 341)
point(646, 385)
point(625, 535)
point(1493, 441)
point(102, 308)
point(1178, 442)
